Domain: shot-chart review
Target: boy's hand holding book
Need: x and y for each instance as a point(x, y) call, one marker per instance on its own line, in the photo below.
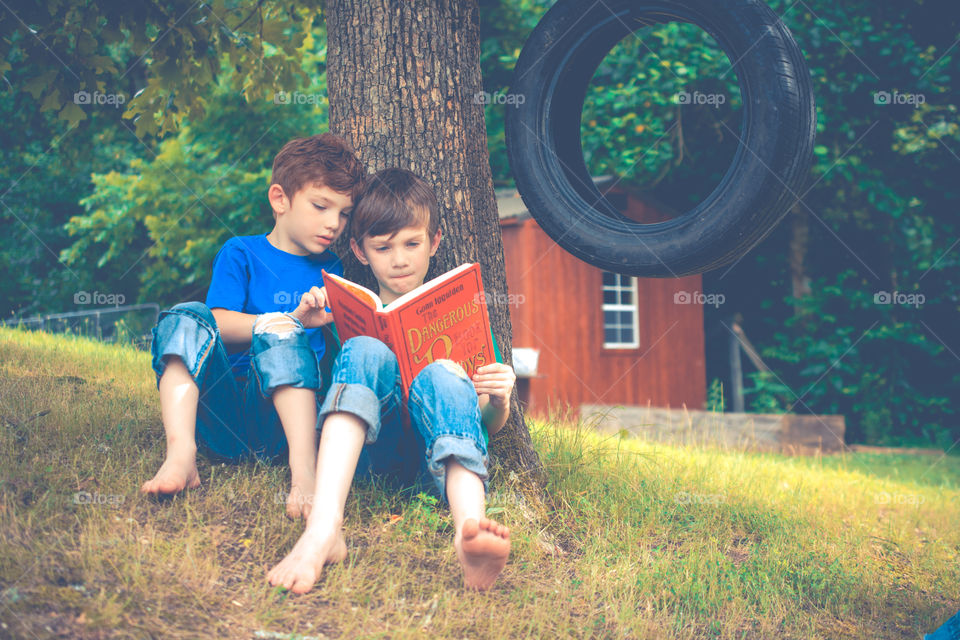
point(312, 312)
point(496, 380)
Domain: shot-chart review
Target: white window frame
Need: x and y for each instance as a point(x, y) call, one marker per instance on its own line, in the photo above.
point(634, 309)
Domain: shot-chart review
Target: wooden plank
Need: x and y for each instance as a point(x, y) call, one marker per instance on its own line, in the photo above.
point(751, 431)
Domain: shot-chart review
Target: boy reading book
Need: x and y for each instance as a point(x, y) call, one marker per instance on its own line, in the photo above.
point(395, 230)
point(239, 374)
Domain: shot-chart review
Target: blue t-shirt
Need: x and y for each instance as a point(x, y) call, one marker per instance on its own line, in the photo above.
point(250, 275)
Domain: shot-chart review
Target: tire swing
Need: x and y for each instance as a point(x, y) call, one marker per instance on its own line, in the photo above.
point(770, 165)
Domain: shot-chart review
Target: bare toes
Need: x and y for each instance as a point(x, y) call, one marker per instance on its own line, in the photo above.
point(470, 529)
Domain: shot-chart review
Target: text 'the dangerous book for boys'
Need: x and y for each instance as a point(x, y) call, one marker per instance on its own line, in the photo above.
point(443, 318)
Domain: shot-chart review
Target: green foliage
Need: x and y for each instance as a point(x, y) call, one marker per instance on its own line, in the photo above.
point(164, 217)
point(182, 43)
point(715, 396)
point(766, 393)
point(882, 216)
point(421, 517)
point(45, 167)
point(634, 112)
point(504, 27)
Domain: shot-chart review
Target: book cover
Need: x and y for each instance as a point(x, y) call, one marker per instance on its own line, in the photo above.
point(444, 318)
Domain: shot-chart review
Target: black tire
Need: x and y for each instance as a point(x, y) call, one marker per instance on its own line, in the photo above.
point(771, 164)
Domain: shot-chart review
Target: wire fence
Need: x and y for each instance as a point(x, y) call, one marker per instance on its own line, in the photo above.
point(126, 324)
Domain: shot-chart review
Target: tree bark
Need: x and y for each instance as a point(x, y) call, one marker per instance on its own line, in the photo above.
point(402, 79)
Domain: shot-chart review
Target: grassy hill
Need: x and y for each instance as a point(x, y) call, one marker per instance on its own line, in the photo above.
point(640, 541)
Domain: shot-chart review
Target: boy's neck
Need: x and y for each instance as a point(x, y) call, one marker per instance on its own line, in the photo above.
point(283, 243)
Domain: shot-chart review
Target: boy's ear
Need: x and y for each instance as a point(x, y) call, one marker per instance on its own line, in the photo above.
point(278, 199)
point(435, 243)
point(358, 251)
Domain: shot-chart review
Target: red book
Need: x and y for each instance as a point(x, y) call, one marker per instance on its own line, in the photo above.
point(443, 318)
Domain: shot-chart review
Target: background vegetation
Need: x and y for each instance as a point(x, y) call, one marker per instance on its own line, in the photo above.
point(135, 199)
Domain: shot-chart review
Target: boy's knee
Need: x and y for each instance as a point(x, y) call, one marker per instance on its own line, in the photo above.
point(190, 309)
point(364, 350)
point(443, 375)
point(451, 367)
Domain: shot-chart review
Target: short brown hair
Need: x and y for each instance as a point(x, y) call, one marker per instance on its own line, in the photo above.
point(323, 160)
point(394, 199)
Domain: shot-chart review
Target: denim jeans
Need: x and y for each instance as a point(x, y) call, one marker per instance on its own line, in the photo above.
point(444, 415)
point(236, 419)
point(950, 630)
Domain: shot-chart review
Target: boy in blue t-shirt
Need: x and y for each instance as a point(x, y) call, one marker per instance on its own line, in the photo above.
point(395, 229)
point(239, 376)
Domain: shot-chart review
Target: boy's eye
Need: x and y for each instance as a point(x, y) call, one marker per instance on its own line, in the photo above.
point(380, 249)
point(413, 245)
point(320, 207)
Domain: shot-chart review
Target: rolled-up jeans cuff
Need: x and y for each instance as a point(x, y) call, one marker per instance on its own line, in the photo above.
point(353, 398)
point(465, 451)
point(186, 330)
point(282, 356)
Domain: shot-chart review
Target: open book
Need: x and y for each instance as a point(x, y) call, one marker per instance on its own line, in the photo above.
point(443, 318)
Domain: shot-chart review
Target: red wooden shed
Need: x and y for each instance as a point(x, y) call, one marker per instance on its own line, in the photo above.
point(583, 335)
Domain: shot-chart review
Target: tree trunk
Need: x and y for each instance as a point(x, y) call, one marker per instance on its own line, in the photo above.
point(402, 77)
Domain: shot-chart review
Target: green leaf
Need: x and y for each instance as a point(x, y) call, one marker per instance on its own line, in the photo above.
point(72, 114)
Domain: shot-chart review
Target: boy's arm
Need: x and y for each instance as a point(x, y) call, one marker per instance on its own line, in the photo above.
point(235, 327)
point(228, 291)
point(494, 384)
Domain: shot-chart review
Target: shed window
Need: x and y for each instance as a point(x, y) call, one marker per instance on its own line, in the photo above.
point(620, 311)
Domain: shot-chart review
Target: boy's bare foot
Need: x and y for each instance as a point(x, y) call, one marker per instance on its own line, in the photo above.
point(178, 472)
point(302, 567)
point(300, 498)
point(482, 548)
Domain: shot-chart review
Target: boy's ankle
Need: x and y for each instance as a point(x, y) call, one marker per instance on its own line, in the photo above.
point(181, 447)
point(302, 470)
point(323, 521)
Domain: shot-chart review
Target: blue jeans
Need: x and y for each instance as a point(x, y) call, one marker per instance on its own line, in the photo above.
point(236, 419)
point(950, 630)
point(442, 408)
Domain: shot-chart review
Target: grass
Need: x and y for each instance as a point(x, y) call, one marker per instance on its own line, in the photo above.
point(641, 540)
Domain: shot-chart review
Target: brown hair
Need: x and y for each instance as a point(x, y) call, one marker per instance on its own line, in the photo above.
point(323, 159)
point(394, 199)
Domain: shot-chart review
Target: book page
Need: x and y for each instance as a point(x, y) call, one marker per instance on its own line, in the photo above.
point(448, 322)
point(354, 311)
point(426, 286)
